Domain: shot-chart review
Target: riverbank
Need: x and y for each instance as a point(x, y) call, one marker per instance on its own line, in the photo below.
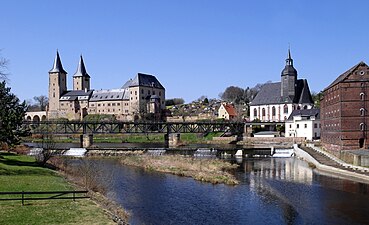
point(214, 171)
point(22, 173)
point(329, 165)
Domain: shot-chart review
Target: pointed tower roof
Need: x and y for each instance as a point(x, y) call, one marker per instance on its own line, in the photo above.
point(57, 67)
point(81, 69)
point(289, 69)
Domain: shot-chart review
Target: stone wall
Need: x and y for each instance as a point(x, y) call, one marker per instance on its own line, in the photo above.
point(268, 140)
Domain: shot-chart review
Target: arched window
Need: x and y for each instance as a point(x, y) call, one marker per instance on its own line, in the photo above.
point(285, 109)
point(255, 113)
point(362, 96)
point(362, 112)
point(362, 126)
point(273, 111)
point(263, 112)
point(298, 107)
point(305, 106)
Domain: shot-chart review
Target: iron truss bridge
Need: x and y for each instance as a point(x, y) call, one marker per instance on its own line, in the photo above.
point(70, 127)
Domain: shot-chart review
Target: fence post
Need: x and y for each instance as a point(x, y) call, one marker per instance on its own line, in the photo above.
point(22, 198)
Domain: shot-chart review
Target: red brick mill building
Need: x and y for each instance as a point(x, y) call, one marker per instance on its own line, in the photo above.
point(344, 111)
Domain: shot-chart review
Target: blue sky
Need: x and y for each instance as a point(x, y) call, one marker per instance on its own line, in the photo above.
point(194, 47)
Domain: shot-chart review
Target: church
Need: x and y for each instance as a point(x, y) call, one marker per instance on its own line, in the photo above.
point(276, 101)
point(139, 98)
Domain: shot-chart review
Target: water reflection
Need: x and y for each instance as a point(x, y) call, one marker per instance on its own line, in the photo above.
point(279, 169)
point(272, 191)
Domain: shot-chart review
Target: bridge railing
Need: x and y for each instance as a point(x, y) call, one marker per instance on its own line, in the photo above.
point(74, 127)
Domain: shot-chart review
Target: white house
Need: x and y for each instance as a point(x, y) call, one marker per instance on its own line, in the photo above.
point(227, 111)
point(304, 123)
point(276, 101)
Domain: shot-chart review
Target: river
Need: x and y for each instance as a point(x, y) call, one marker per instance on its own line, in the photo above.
point(272, 191)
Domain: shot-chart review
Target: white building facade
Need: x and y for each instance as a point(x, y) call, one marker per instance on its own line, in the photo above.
point(304, 123)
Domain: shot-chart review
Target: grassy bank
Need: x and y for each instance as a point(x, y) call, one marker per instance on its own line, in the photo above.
point(22, 173)
point(128, 138)
point(208, 170)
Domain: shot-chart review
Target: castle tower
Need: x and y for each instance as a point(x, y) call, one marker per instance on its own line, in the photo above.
point(288, 80)
point(57, 86)
point(81, 79)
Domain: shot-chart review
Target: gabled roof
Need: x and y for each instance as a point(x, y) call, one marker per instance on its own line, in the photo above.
point(230, 109)
point(145, 80)
point(270, 93)
point(76, 94)
point(81, 69)
point(305, 113)
point(57, 66)
point(109, 95)
point(346, 74)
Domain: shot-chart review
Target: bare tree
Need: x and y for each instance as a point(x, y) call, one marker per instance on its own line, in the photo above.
point(48, 146)
point(41, 101)
point(3, 68)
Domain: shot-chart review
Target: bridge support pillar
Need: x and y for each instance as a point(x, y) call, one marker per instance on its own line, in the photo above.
point(172, 140)
point(86, 140)
point(247, 131)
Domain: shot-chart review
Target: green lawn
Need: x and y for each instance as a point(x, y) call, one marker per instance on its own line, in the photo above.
point(22, 173)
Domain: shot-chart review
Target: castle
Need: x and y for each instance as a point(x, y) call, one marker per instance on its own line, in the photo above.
point(142, 97)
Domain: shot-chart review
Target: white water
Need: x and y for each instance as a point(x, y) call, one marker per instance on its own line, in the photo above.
point(283, 153)
point(35, 151)
point(204, 152)
point(76, 152)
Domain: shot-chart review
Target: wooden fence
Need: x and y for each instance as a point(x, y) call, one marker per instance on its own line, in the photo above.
point(42, 195)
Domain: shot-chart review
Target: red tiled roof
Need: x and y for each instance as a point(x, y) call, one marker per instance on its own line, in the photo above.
point(230, 109)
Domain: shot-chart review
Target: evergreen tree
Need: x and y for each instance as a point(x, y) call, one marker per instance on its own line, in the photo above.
point(11, 116)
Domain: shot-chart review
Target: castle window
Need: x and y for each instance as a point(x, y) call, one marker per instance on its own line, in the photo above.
point(148, 92)
point(255, 113)
point(135, 92)
point(112, 104)
point(285, 109)
point(142, 91)
point(99, 105)
point(108, 104)
point(112, 96)
point(305, 125)
point(54, 94)
point(159, 93)
point(297, 126)
point(263, 112)
point(118, 104)
point(273, 111)
point(153, 92)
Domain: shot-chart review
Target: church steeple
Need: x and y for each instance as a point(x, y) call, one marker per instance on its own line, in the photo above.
point(288, 79)
point(57, 66)
point(289, 60)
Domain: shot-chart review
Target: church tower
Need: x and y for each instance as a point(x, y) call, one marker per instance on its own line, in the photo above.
point(81, 79)
point(288, 80)
point(57, 86)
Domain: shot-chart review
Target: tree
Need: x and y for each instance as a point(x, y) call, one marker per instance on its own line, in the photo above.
point(316, 98)
point(232, 94)
point(11, 116)
point(41, 101)
point(3, 67)
point(174, 101)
